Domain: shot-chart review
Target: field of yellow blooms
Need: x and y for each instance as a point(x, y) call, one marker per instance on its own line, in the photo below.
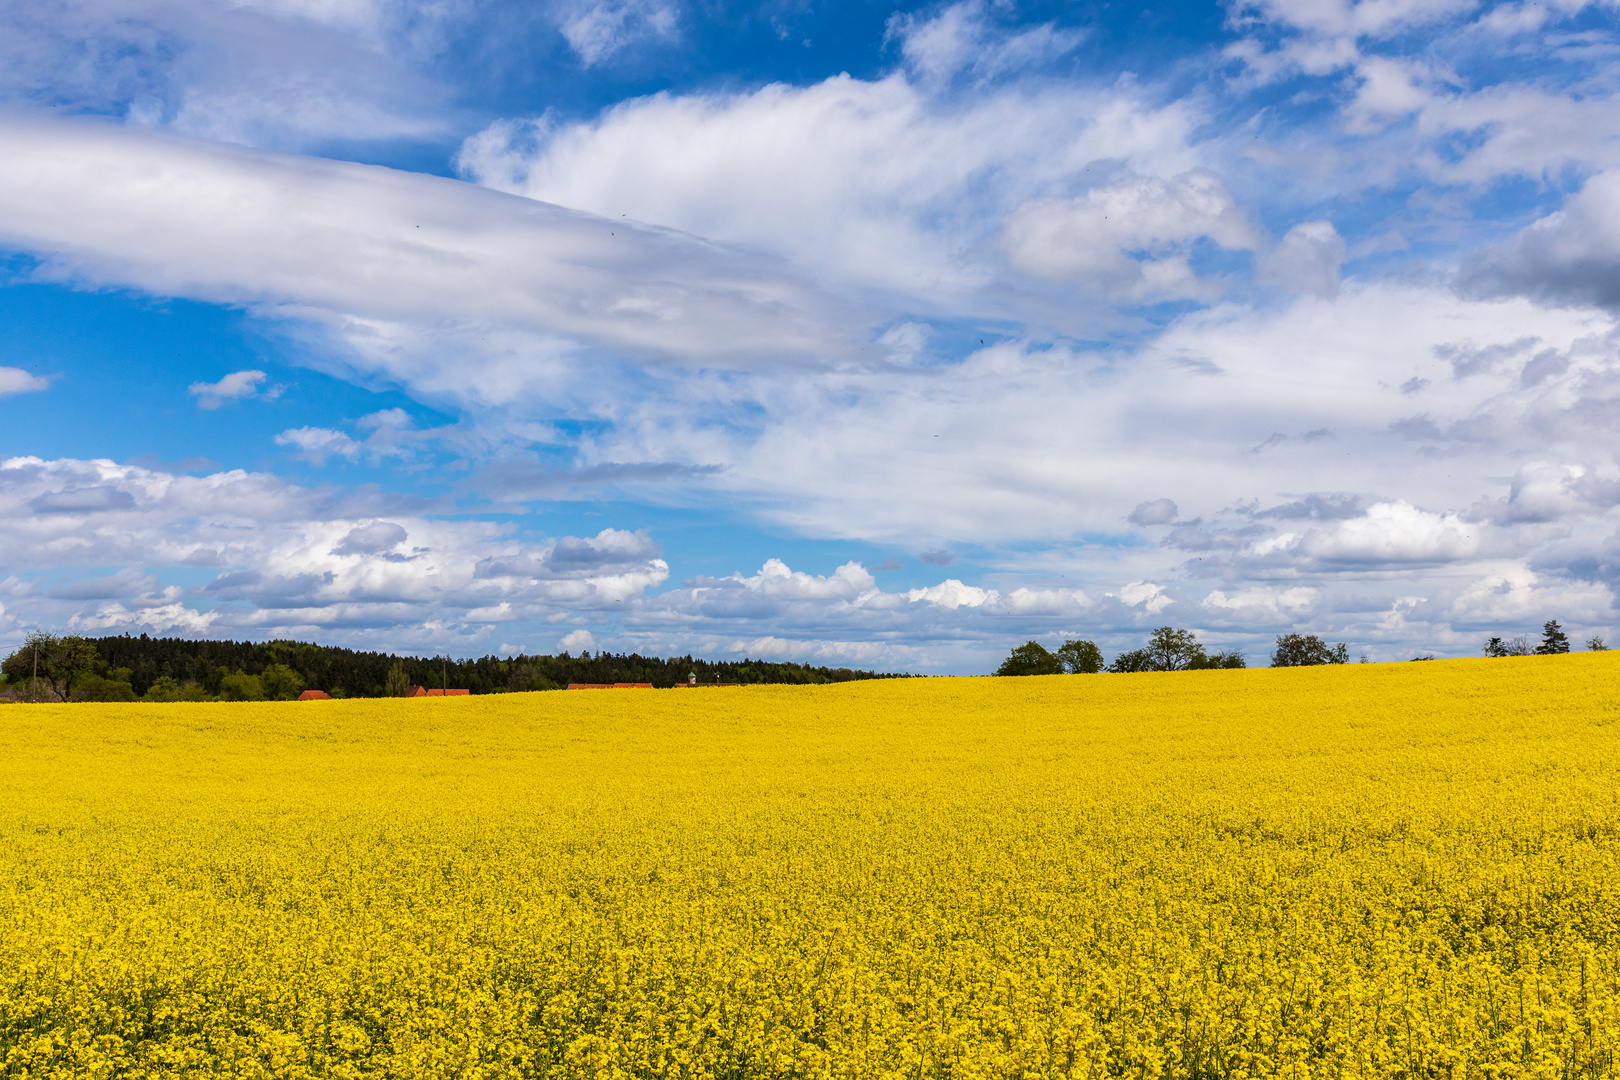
point(1396, 870)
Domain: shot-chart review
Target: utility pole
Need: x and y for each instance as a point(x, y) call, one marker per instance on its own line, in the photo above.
point(33, 683)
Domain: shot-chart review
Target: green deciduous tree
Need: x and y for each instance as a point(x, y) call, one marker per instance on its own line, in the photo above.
point(1080, 657)
point(281, 683)
point(93, 687)
point(1030, 658)
point(240, 686)
point(1307, 650)
point(61, 661)
point(1134, 660)
point(397, 683)
point(165, 688)
point(1170, 649)
point(1225, 658)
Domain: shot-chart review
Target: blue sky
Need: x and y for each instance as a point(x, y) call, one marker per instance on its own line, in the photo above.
point(850, 333)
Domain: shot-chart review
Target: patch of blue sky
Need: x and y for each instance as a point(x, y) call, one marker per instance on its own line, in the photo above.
point(131, 361)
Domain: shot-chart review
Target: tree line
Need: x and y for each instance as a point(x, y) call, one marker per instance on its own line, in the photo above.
point(1553, 641)
point(1169, 649)
point(1172, 649)
point(49, 667)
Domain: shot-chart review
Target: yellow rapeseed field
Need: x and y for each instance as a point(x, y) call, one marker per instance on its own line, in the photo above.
point(1398, 870)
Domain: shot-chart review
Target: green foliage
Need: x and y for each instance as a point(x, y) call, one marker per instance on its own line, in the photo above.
point(1030, 658)
point(61, 662)
point(397, 684)
point(165, 688)
point(1225, 658)
point(281, 683)
point(1080, 657)
point(1171, 649)
point(1553, 639)
point(240, 686)
point(1307, 650)
point(527, 677)
point(1136, 660)
point(1597, 644)
point(347, 673)
point(100, 688)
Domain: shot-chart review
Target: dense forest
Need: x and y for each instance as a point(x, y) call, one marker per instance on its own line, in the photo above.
point(206, 665)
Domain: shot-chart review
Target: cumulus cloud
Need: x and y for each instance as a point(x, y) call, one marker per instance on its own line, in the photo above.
point(378, 538)
point(1129, 238)
point(868, 182)
point(1267, 603)
point(233, 387)
point(316, 444)
point(291, 560)
point(1568, 257)
point(17, 381)
point(1393, 532)
point(1145, 594)
point(577, 641)
point(1514, 597)
point(1306, 259)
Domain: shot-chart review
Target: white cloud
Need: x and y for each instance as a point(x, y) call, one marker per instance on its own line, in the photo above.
point(167, 619)
point(288, 560)
point(1512, 597)
point(377, 538)
point(1267, 602)
point(1153, 512)
point(951, 593)
point(961, 39)
point(233, 387)
point(1150, 597)
point(1095, 238)
point(864, 653)
point(291, 76)
point(1306, 260)
point(597, 31)
point(387, 259)
point(316, 444)
point(577, 641)
point(862, 182)
point(17, 381)
point(1571, 256)
point(899, 456)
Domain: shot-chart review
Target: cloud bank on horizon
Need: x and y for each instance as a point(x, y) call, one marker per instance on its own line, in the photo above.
point(640, 325)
